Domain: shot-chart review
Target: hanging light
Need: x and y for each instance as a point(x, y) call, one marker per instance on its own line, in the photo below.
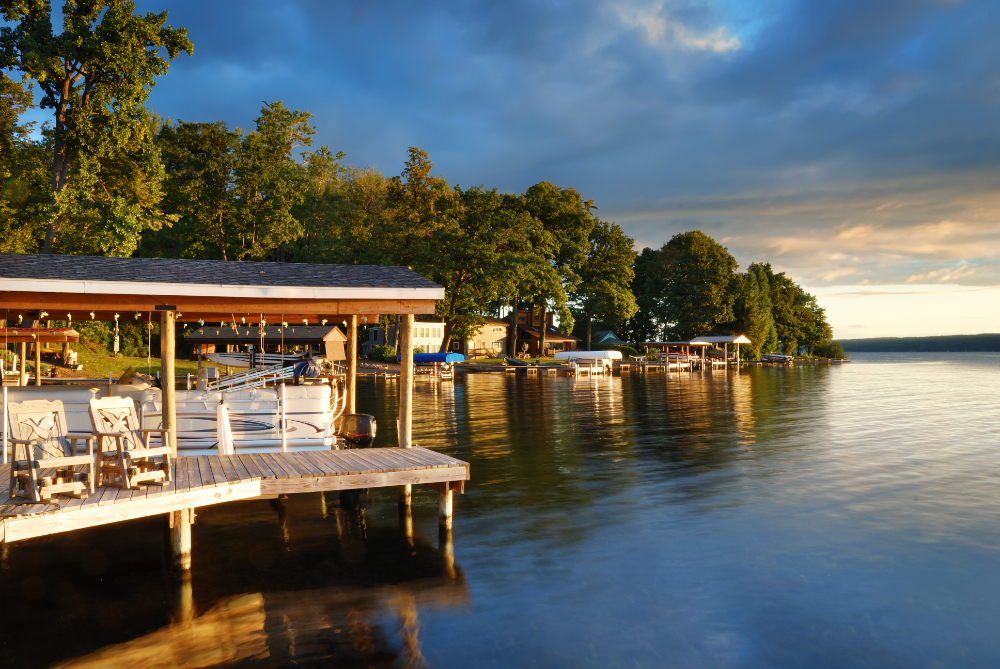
point(69, 317)
point(284, 324)
point(137, 314)
point(323, 322)
point(91, 315)
point(201, 322)
point(305, 321)
point(43, 315)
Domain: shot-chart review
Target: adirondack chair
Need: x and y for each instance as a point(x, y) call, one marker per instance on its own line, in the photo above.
point(45, 460)
point(124, 455)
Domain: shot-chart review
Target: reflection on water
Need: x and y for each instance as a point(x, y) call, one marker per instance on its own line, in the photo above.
point(780, 517)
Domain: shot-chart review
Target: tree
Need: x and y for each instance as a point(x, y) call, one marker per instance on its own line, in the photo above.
point(24, 167)
point(480, 255)
point(643, 325)
point(269, 183)
point(566, 217)
point(96, 76)
point(798, 318)
point(200, 162)
point(692, 279)
point(606, 275)
point(752, 310)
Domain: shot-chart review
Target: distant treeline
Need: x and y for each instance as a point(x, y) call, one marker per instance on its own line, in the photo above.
point(980, 343)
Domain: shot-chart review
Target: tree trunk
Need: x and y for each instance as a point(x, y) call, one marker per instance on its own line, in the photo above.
point(541, 337)
point(587, 340)
point(446, 340)
point(512, 330)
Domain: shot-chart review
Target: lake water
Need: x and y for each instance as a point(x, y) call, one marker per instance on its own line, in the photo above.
point(809, 516)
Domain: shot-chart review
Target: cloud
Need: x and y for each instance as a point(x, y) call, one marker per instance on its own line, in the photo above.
point(847, 143)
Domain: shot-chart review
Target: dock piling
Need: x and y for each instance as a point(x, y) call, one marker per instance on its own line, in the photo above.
point(180, 538)
point(445, 497)
point(406, 396)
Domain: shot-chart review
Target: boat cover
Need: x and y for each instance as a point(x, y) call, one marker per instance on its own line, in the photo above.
point(426, 358)
point(589, 355)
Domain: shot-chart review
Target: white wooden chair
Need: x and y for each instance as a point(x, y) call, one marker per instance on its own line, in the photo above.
point(124, 455)
point(45, 461)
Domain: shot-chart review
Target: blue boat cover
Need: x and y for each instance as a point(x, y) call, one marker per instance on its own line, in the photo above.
point(424, 358)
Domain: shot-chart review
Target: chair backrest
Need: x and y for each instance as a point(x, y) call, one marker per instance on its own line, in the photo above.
point(42, 420)
point(116, 414)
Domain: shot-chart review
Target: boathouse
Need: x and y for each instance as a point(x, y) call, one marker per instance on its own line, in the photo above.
point(75, 288)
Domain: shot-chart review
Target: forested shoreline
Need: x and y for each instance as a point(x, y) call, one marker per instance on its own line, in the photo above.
point(107, 176)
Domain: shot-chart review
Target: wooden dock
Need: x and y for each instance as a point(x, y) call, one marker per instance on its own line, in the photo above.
point(205, 480)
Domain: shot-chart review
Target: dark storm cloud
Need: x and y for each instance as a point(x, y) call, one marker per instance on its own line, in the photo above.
point(846, 142)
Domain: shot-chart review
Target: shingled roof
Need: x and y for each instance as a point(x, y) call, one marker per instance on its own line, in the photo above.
point(205, 272)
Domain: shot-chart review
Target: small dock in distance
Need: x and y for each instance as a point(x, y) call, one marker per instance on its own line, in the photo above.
point(214, 479)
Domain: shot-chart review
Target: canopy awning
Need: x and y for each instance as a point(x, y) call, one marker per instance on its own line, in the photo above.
point(728, 339)
point(97, 288)
point(293, 335)
point(38, 335)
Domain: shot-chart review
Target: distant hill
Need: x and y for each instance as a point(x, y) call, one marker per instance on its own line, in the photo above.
point(980, 343)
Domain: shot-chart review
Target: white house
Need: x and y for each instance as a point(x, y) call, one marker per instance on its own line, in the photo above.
point(426, 335)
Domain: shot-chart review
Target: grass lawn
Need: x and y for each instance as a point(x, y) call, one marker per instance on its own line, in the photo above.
point(97, 366)
point(499, 361)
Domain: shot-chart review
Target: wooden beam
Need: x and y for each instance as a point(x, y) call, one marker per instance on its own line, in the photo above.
point(405, 396)
point(374, 479)
point(167, 380)
point(197, 307)
point(351, 353)
point(18, 529)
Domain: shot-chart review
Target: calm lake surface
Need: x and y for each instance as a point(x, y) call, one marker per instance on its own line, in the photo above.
point(811, 516)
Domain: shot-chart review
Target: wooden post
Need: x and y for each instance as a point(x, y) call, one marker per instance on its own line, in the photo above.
point(725, 346)
point(445, 507)
point(446, 547)
point(405, 396)
point(38, 363)
point(22, 379)
point(4, 426)
point(351, 353)
point(183, 598)
point(169, 416)
point(180, 538)
point(284, 421)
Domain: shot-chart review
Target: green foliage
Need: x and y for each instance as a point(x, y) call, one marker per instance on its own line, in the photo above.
point(832, 350)
point(383, 353)
point(752, 310)
point(606, 276)
point(95, 74)
point(691, 285)
point(25, 197)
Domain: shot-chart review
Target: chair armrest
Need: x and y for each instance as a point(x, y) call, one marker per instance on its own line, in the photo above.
point(23, 442)
point(154, 429)
point(54, 463)
point(111, 434)
point(80, 435)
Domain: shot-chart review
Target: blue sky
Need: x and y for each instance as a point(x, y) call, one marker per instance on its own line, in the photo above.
point(853, 144)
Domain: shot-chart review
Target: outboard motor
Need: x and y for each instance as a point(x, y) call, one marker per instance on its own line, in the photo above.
point(358, 430)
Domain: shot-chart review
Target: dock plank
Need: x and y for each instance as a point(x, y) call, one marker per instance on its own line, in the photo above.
point(350, 463)
point(194, 475)
point(211, 473)
point(329, 463)
point(264, 467)
point(241, 470)
point(249, 465)
point(279, 471)
point(304, 465)
point(228, 471)
point(376, 461)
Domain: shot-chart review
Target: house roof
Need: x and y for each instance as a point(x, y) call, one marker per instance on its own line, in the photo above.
point(208, 290)
point(162, 276)
point(552, 334)
point(242, 334)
